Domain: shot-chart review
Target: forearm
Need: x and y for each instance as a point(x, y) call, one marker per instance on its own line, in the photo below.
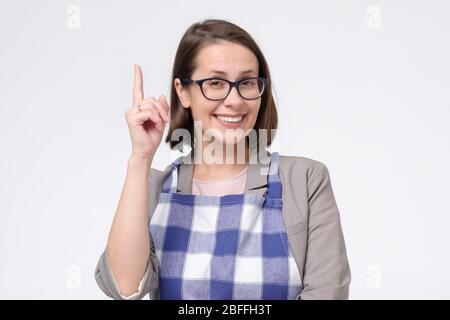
point(128, 241)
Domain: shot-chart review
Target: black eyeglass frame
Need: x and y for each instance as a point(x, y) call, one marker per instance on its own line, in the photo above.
point(231, 85)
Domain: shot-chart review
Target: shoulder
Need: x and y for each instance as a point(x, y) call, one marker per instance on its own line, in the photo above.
point(305, 183)
point(297, 167)
point(303, 177)
point(157, 177)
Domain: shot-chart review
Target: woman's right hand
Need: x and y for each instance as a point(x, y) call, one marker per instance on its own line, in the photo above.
point(147, 125)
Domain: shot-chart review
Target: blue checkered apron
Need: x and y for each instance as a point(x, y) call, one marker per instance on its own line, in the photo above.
point(223, 247)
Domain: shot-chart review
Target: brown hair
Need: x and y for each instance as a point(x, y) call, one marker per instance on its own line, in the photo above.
point(196, 37)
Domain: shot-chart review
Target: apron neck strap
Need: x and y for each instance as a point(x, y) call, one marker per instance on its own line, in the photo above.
point(273, 179)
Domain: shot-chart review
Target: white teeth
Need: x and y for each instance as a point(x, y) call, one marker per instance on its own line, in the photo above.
point(229, 119)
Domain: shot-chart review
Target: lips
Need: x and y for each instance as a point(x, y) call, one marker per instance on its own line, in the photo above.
point(229, 121)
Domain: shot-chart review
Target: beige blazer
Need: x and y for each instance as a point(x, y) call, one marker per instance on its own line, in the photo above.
point(311, 218)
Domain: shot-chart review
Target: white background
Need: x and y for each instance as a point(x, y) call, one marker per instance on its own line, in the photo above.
point(362, 86)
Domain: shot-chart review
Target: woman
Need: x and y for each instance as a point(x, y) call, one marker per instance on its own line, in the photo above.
point(210, 228)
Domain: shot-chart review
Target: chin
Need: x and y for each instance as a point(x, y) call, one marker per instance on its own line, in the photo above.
point(231, 141)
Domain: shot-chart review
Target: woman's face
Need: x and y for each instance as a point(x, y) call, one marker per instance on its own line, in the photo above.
point(236, 62)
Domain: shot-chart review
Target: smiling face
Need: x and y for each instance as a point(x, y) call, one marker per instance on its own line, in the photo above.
point(228, 61)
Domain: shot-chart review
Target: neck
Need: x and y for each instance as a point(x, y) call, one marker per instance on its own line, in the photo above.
point(212, 165)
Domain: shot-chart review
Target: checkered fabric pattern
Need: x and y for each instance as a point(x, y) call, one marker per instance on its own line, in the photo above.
point(223, 247)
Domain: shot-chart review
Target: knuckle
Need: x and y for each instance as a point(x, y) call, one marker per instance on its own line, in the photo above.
point(148, 100)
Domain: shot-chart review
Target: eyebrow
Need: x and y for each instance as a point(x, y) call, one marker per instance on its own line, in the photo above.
point(224, 73)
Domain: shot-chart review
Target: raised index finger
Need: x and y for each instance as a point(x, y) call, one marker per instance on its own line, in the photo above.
point(138, 89)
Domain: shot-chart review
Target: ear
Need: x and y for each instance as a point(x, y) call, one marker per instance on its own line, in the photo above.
point(182, 93)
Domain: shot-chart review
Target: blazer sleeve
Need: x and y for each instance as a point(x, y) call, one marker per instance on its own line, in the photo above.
point(327, 271)
point(107, 284)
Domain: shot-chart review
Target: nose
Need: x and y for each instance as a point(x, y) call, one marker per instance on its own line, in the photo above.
point(233, 97)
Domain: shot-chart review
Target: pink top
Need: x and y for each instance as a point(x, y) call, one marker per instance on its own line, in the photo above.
point(220, 187)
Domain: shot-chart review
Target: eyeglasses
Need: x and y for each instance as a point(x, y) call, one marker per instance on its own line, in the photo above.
point(218, 89)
